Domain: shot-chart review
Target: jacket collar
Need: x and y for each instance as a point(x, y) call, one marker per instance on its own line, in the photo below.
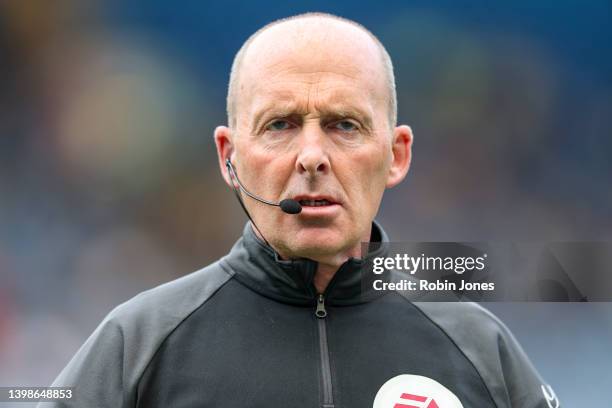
point(258, 266)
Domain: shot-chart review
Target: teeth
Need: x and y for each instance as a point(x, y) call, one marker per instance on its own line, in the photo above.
point(314, 203)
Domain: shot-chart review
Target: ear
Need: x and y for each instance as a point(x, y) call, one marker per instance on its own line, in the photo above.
point(401, 151)
point(225, 149)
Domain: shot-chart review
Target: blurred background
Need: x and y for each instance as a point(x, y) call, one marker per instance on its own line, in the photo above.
point(109, 184)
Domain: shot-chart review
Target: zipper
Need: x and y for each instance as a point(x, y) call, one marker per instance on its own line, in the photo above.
point(321, 313)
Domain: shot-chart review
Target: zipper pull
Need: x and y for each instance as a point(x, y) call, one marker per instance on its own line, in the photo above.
point(321, 312)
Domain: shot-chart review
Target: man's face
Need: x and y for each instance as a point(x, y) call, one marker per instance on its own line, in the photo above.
point(312, 125)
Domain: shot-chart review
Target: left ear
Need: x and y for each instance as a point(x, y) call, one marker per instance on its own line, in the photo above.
point(401, 151)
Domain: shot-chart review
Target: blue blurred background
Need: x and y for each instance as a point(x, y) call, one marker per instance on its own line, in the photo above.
point(109, 183)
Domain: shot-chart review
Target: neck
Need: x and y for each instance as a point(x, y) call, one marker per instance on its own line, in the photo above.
point(327, 266)
point(324, 275)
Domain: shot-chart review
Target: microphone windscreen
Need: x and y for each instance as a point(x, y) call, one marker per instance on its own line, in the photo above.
point(290, 206)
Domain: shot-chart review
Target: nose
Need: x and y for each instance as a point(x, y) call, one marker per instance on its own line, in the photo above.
point(313, 159)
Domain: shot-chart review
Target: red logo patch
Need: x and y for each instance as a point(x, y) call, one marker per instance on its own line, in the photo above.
point(414, 391)
point(421, 400)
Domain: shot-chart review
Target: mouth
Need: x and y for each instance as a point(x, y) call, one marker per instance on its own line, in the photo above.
point(318, 207)
point(315, 201)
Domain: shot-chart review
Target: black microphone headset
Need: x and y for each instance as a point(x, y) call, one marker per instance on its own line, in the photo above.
point(288, 205)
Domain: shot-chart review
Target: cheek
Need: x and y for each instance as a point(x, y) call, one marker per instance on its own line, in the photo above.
point(264, 172)
point(366, 177)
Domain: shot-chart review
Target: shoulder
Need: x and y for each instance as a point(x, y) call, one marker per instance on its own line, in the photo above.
point(108, 366)
point(172, 300)
point(464, 319)
point(458, 319)
point(130, 335)
point(492, 349)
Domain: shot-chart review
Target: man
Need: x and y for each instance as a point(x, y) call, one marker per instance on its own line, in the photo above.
point(282, 320)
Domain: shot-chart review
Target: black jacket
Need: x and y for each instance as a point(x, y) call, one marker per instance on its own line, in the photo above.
point(243, 332)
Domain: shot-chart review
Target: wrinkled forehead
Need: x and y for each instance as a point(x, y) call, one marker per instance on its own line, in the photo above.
point(337, 57)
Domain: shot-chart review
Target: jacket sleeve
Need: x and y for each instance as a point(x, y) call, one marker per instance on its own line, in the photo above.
point(96, 371)
point(522, 384)
point(107, 369)
point(510, 377)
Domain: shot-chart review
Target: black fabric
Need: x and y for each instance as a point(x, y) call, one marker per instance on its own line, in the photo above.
point(242, 332)
point(376, 349)
point(240, 348)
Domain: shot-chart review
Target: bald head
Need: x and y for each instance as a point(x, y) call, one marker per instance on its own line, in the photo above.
point(311, 40)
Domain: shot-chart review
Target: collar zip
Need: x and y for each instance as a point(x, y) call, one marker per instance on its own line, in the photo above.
point(258, 266)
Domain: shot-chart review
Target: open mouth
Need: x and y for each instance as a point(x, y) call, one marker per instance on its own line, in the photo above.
point(317, 206)
point(314, 203)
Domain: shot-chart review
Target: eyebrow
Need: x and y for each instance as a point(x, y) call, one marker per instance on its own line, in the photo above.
point(284, 109)
point(278, 109)
point(341, 111)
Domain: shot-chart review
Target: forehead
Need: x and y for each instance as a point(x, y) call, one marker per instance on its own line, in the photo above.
point(304, 90)
point(335, 64)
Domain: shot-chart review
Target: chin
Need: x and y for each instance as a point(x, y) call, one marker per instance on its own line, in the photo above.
point(317, 243)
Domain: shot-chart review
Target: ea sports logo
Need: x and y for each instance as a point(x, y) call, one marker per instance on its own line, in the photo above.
point(415, 391)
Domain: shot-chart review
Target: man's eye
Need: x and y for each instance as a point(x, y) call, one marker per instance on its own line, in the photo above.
point(345, 126)
point(279, 125)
